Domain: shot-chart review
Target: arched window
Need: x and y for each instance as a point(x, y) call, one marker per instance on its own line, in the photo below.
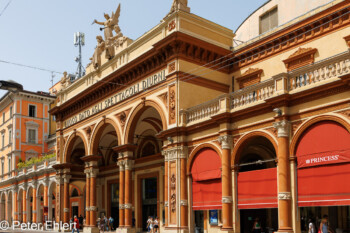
point(75, 193)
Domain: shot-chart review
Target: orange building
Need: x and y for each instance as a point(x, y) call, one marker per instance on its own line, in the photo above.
point(27, 153)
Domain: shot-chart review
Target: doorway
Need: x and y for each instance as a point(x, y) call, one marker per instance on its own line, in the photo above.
point(75, 211)
point(267, 219)
point(199, 221)
point(149, 200)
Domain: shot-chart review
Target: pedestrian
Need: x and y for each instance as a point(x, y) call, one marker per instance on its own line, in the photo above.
point(106, 223)
point(324, 224)
point(256, 226)
point(312, 227)
point(111, 222)
point(102, 224)
point(156, 225)
point(76, 224)
point(149, 224)
point(81, 220)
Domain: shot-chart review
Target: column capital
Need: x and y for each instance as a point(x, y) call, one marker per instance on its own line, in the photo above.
point(121, 206)
point(282, 128)
point(93, 208)
point(66, 178)
point(66, 210)
point(129, 164)
point(166, 204)
point(179, 152)
point(121, 165)
point(284, 196)
point(93, 172)
point(87, 171)
point(225, 141)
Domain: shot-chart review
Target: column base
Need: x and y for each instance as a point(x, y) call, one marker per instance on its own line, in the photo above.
point(176, 230)
point(126, 230)
point(88, 229)
point(285, 230)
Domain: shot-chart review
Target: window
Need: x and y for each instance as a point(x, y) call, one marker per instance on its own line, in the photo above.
point(213, 217)
point(10, 166)
point(32, 136)
point(2, 168)
point(3, 117)
point(10, 136)
point(3, 140)
point(268, 20)
point(32, 110)
point(10, 111)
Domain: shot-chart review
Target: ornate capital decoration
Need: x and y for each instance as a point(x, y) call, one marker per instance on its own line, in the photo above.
point(93, 173)
point(66, 178)
point(93, 208)
point(24, 212)
point(129, 164)
point(87, 208)
point(180, 152)
point(225, 141)
point(166, 204)
point(121, 165)
point(34, 211)
point(284, 196)
point(282, 128)
point(184, 203)
point(121, 206)
point(66, 210)
point(226, 200)
point(128, 206)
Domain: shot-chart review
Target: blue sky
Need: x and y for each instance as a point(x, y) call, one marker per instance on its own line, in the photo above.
point(39, 33)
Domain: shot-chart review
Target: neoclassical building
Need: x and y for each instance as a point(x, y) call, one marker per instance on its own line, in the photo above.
point(210, 129)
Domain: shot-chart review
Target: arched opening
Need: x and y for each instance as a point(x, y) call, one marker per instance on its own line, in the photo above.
point(206, 187)
point(9, 207)
point(20, 205)
point(2, 206)
point(52, 202)
point(257, 184)
point(40, 204)
point(144, 124)
point(76, 150)
point(29, 204)
point(323, 164)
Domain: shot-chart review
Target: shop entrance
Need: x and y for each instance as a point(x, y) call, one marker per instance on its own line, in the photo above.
point(75, 211)
point(267, 219)
point(114, 207)
point(149, 200)
point(199, 221)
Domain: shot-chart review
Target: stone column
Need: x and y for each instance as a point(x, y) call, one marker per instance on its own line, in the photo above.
point(34, 205)
point(236, 217)
point(46, 202)
point(87, 194)
point(183, 194)
point(166, 202)
point(284, 190)
point(93, 207)
point(226, 182)
point(15, 200)
point(127, 197)
point(24, 204)
point(66, 207)
point(121, 192)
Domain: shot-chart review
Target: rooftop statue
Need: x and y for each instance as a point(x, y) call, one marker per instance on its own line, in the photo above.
point(109, 23)
point(96, 58)
point(179, 5)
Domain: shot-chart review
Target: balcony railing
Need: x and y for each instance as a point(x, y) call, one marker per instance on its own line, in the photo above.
point(317, 74)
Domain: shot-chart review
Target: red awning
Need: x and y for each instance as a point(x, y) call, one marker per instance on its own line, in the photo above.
point(324, 185)
point(206, 176)
point(323, 155)
point(257, 189)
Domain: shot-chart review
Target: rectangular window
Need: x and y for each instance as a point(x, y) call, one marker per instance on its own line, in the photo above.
point(3, 117)
point(10, 166)
point(10, 136)
point(10, 111)
point(3, 140)
point(213, 217)
point(268, 21)
point(2, 168)
point(32, 110)
point(32, 136)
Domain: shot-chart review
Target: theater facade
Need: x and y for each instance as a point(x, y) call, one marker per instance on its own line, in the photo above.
point(210, 129)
